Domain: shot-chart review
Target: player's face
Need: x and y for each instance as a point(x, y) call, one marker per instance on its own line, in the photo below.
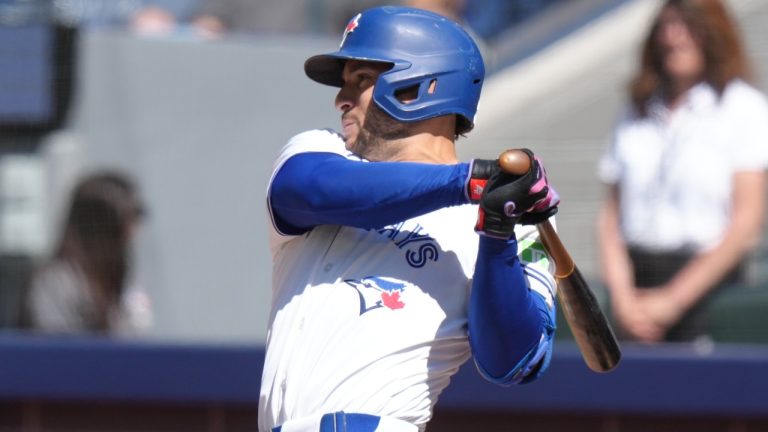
point(366, 128)
point(681, 53)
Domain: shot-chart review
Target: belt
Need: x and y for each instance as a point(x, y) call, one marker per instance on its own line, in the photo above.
point(346, 422)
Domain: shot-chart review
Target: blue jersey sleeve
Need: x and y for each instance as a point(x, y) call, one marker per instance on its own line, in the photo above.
point(313, 189)
point(511, 328)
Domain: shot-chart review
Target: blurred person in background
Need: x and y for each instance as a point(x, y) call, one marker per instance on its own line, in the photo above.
point(453, 9)
point(491, 18)
point(278, 16)
point(116, 14)
point(216, 18)
point(685, 176)
point(456, 10)
point(83, 287)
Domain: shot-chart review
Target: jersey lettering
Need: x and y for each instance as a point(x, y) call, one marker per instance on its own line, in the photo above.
point(413, 236)
point(420, 258)
point(417, 256)
point(392, 230)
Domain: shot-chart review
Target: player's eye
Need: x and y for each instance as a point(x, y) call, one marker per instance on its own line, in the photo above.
point(365, 79)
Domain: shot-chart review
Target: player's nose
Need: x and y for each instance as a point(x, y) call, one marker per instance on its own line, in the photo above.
point(344, 100)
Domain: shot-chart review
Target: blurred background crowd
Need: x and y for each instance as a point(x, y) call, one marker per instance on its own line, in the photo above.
point(137, 139)
point(110, 108)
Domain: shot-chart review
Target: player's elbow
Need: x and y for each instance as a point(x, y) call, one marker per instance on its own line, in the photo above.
point(531, 365)
point(522, 353)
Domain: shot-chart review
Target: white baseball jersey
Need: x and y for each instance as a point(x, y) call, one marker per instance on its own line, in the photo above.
point(368, 321)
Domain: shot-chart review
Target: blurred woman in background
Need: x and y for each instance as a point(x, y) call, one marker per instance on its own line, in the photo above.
point(83, 287)
point(685, 176)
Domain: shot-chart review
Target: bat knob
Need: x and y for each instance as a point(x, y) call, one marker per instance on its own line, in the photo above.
point(515, 162)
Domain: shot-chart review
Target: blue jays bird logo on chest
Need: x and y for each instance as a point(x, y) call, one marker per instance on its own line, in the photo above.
point(378, 292)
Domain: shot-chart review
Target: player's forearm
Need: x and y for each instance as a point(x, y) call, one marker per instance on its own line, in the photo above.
point(322, 188)
point(510, 327)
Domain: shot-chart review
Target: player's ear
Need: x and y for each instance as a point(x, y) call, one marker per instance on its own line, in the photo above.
point(408, 94)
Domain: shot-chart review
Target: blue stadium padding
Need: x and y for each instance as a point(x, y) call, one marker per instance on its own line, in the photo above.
point(76, 368)
point(728, 380)
point(731, 380)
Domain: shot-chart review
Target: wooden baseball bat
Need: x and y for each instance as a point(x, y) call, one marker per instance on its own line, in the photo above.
point(590, 328)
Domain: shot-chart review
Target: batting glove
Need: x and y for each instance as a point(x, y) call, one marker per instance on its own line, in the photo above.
point(480, 171)
point(546, 207)
point(508, 199)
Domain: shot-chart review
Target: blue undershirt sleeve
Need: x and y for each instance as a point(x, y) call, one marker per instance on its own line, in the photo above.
point(510, 326)
point(313, 189)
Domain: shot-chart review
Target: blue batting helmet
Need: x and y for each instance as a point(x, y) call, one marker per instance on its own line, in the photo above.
point(427, 51)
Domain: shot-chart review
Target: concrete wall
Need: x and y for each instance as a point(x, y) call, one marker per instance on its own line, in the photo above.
point(198, 123)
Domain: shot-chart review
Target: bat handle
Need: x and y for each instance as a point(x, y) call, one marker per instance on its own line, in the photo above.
point(518, 162)
point(564, 263)
point(515, 162)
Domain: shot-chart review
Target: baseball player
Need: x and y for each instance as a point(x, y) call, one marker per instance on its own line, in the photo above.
point(382, 289)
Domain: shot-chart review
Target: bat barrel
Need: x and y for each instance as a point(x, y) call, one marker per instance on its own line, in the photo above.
point(589, 326)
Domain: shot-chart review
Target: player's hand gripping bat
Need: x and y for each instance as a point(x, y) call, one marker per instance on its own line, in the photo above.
point(589, 325)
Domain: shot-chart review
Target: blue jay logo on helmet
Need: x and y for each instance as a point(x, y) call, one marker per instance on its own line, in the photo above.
point(428, 53)
point(351, 26)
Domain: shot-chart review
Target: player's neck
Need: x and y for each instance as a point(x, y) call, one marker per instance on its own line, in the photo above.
point(431, 141)
point(425, 147)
